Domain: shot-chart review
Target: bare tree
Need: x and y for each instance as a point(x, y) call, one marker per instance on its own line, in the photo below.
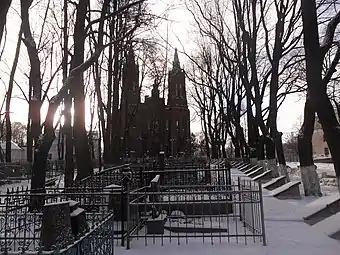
point(8, 100)
point(317, 99)
point(48, 135)
point(4, 6)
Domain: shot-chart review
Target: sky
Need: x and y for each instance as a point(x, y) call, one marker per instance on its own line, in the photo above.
point(180, 36)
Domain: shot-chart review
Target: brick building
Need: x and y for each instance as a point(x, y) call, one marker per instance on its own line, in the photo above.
point(154, 126)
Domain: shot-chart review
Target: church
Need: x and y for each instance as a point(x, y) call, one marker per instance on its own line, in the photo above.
point(153, 125)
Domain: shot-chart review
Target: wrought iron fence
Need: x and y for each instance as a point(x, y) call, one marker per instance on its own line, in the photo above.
point(251, 206)
point(21, 226)
point(195, 176)
point(184, 213)
point(98, 241)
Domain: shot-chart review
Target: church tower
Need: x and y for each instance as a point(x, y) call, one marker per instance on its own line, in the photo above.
point(130, 101)
point(177, 91)
point(131, 95)
point(179, 115)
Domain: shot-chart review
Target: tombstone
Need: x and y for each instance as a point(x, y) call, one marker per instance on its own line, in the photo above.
point(56, 226)
point(321, 209)
point(289, 190)
point(244, 168)
point(250, 169)
point(78, 222)
point(275, 183)
point(329, 226)
point(263, 177)
point(257, 171)
point(155, 226)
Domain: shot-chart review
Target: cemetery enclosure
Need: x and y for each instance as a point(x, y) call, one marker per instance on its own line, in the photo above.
point(129, 202)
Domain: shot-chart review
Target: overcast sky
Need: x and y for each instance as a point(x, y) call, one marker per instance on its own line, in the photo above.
point(180, 36)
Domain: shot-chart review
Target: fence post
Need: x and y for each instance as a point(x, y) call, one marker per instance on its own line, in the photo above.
point(262, 216)
point(127, 175)
point(239, 196)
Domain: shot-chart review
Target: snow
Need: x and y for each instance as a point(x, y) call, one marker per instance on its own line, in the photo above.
point(286, 233)
point(318, 205)
point(329, 226)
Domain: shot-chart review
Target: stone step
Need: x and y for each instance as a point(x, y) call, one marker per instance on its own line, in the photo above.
point(329, 226)
point(275, 183)
point(250, 169)
point(264, 177)
point(320, 209)
point(257, 171)
point(289, 190)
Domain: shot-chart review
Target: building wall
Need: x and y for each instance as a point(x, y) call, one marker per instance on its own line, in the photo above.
point(320, 147)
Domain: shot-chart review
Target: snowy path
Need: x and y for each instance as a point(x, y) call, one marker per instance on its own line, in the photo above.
point(286, 234)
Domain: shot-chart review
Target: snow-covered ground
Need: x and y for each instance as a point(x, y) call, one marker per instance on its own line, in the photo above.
point(326, 175)
point(286, 233)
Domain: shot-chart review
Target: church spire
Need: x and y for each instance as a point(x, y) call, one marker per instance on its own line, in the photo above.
point(176, 64)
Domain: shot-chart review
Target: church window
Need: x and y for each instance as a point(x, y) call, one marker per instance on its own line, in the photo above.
point(176, 89)
point(180, 90)
point(177, 124)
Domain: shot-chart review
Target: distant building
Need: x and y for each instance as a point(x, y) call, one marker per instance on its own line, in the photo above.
point(320, 146)
point(54, 152)
point(17, 153)
point(154, 126)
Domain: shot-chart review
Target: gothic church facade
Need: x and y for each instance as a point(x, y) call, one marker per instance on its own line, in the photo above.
point(154, 126)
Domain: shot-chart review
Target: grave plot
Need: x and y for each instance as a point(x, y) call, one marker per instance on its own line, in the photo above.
point(211, 213)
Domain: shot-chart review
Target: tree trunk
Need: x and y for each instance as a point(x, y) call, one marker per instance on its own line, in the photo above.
point(309, 176)
point(4, 6)
point(8, 100)
point(69, 162)
point(34, 77)
point(83, 157)
point(280, 155)
point(270, 155)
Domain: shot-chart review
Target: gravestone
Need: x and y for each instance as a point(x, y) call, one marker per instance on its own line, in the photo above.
point(289, 190)
point(263, 177)
point(257, 171)
point(56, 226)
point(275, 183)
point(78, 222)
point(250, 169)
point(156, 225)
point(244, 168)
point(321, 209)
point(329, 226)
point(116, 200)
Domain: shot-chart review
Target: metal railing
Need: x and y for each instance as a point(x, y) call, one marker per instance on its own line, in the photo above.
point(178, 210)
point(98, 241)
point(21, 227)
